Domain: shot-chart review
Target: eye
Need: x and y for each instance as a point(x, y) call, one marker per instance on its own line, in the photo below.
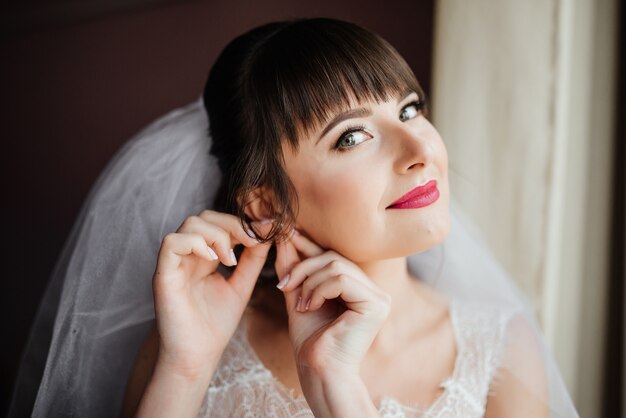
point(411, 110)
point(350, 137)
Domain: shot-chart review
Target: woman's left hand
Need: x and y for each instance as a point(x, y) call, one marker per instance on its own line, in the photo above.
point(340, 311)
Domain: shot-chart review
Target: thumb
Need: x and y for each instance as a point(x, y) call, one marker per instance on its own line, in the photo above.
point(286, 259)
point(248, 269)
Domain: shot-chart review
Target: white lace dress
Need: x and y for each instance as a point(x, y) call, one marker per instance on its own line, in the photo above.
point(243, 387)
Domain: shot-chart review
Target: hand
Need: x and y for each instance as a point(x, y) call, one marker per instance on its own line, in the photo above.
point(197, 309)
point(345, 308)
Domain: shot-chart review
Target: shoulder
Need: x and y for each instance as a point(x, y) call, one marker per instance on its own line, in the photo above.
point(500, 331)
point(503, 359)
point(519, 385)
point(480, 330)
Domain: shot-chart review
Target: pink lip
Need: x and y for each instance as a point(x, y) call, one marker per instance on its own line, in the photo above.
point(418, 197)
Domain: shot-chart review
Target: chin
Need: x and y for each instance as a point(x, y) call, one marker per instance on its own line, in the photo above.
point(428, 242)
point(443, 232)
point(431, 235)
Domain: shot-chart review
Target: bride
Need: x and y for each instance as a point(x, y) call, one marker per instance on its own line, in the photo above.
point(321, 133)
point(304, 285)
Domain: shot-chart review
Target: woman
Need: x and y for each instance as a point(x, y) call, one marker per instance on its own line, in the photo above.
point(320, 131)
point(351, 330)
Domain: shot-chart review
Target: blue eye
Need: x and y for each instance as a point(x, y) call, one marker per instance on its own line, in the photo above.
point(411, 110)
point(351, 136)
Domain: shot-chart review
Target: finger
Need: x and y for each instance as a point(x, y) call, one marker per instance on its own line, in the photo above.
point(247, 272)
point(336, 266)
point(316, 278)
point(358, 298)
point(286, 258)
point(217, 238)
point(232, 224)
point(306, 268)
point(176, 245)
point(306, 246)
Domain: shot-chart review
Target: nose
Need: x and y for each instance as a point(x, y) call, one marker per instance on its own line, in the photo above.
point(413, 150)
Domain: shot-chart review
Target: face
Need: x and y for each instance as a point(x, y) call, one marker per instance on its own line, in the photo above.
point(347, 174)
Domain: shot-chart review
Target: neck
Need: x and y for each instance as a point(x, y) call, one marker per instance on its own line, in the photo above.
point(392, 275)
point(411, 300)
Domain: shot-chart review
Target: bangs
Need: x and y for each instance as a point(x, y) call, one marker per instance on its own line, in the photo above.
point(313, 69)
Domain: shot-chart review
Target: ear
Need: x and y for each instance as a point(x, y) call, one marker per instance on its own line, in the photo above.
point(260, 204)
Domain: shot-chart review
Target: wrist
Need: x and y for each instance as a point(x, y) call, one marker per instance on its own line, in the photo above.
point(172, 392)
point(332, 394)
point(185, 373)
point(188, 370)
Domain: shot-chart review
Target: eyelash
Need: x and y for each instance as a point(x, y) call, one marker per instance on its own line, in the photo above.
point(420, 105)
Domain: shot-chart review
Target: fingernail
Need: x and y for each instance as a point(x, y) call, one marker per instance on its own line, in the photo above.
point(265, 221)
point(283, 282)
point(299, 303)
point(212, 253)
point(232, 256)
point(306, 308)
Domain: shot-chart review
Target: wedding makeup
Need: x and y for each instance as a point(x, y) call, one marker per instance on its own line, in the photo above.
point(418, 197)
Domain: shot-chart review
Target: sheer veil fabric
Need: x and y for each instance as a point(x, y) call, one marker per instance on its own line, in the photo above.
point(98, 306)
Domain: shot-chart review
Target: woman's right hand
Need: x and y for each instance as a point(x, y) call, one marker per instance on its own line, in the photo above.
point(197, 309)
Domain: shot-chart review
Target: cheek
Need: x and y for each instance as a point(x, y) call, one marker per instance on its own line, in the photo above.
point(339, 209)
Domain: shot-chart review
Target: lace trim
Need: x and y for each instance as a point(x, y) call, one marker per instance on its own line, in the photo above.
point(482, 331)
point(243, 383)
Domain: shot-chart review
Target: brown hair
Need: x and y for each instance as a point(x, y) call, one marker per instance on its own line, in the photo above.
point(277, 82)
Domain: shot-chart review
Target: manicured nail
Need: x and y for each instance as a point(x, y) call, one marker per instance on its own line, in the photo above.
point(306, 308)
point(283, 282)
point(233, 259)
point(299, 303)
point(212, 253)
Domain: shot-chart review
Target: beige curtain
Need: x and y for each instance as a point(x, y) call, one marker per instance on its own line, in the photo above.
point(522, 95)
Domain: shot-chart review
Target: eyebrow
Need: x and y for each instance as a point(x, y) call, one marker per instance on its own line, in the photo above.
point(355, 113)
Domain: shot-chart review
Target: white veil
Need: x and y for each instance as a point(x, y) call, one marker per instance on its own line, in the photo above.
point(98, 306)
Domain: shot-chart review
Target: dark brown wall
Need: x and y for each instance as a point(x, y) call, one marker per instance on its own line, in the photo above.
point(76, 85)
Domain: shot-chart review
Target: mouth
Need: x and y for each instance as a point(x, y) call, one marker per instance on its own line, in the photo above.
point(418, 197)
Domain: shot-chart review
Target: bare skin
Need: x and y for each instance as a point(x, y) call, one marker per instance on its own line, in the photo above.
point(351, 250)
point(393, 337)
point(384, 374)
